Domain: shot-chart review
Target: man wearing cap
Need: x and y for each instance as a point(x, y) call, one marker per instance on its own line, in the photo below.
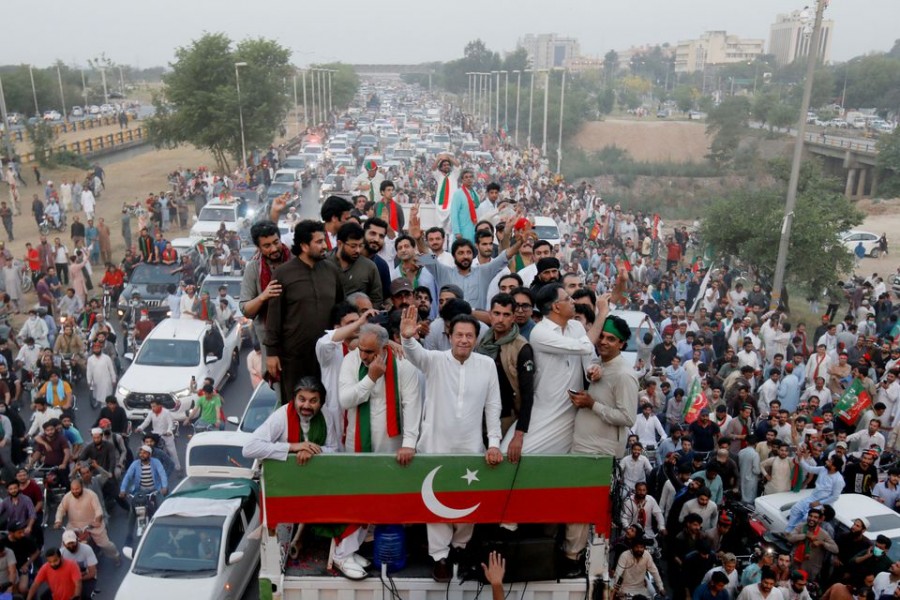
point(368, 183)
point(850, 543)
point(144, 475)
point(84, 557)
point(829, 485)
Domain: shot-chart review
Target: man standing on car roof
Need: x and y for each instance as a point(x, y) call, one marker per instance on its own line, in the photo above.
point(369, 182)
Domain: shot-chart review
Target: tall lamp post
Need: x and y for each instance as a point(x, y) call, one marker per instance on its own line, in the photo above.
point(62, 96)
point(812, 59)
point(37, 111)
point(562, 103)
point(546, 104)
point(237, 80)
point(506, 101)
point(518, 93)
point(530, 107)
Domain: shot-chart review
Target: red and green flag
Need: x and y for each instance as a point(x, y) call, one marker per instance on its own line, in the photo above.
point(594, 231)
point(853, 402)
point(624, 262)
point(695, 402)
point(372, 488)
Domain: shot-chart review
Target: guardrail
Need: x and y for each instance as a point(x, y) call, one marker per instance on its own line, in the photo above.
point(823, 139)
point(97, 145)
point(22, 135)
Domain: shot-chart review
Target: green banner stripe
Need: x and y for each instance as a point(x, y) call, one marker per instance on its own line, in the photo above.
point(380, 474)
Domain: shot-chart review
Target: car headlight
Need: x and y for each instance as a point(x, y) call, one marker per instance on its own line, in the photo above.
point(181, 394)
point(121, 391)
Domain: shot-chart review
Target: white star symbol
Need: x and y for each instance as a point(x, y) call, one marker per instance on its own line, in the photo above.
point(470, 476)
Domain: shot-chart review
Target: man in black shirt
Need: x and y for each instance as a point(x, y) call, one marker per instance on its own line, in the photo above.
point(861, 477)
point(26, 551)
point(663, 353)
point(704, 433)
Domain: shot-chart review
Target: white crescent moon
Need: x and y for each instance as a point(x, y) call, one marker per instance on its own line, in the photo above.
point(435, 505)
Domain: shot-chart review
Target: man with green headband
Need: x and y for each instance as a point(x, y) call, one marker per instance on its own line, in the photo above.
point(606, 411)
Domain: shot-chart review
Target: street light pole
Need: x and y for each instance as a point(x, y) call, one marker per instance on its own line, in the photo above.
point(83, 89)
point(506, 101)
point(562, 103)
point(237, 80)
point(105, 91)
point(121, 81)
point(305, 108)
point(812, 60)
point(497, 103)
point(312, 91)
point(62, 96)
point(296, 105)
point(330, 84)
point(37, 111)
point(530, 107)
point(490, 103)
point(518, 94)
point(546, 104)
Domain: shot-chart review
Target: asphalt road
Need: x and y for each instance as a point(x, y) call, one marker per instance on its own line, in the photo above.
point(235, 394)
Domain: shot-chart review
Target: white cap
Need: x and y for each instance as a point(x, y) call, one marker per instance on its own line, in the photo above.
point(96, 431)
point(146, 448)
point(863, 520)
point(69, 536)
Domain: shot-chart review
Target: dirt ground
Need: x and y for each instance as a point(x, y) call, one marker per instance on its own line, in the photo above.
point(883, 216)
point(648, 139)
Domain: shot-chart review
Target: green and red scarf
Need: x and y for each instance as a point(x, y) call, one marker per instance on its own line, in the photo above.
point(363, 438)
point(444, 193)
point(318, 429)
point(145, 246)
point(393, 219)
point(801, 552)
point(472, 198)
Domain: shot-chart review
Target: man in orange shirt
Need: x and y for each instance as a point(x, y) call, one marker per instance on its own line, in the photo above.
point(114, 278)
point(33, 257)
point(62, 576)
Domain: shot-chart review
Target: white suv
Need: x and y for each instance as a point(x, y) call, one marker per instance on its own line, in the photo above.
point(175, 351)
point(211, 217)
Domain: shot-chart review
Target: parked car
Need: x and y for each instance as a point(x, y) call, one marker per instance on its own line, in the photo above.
point(52, 115)
point(77, 112)
point(773, 511)
point(869, 241)
point(202, 543)
point(174, 352)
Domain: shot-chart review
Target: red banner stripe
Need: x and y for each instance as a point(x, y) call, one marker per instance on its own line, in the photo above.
point(548, 505)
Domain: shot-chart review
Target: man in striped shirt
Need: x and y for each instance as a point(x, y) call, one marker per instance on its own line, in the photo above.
point(144, 476)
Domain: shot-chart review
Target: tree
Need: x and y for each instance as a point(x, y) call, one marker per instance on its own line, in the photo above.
point(345, 84)
point(199, 105)
point(606, 100)
point(726, 123)
point(889, 164)
point(763, 105)
point(782, 115)
point(746, 224)
point(516, 60)
point(610, 65)
point(684, 96)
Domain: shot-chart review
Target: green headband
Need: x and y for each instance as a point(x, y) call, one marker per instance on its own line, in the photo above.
point(610, 327)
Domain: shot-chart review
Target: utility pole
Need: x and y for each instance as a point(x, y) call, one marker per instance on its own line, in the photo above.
point(497, 103)
point(105, 91)
point(490, 105)
point(312, 84)
point(6, 139)
point(562, 103)
point(62, 95)
point(121, 81)
point(37, 111)
point(296, 106)
point(506, 101)
point(812, 60)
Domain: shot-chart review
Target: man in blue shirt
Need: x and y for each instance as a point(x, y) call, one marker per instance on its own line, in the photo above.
point(829, 485)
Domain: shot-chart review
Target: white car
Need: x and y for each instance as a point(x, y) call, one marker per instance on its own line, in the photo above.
point(175, 351)
point(773, 510)
point(546, 229)
point(211, 218)
point(219, 454)
point(639, 324)
point(202, 543)
point(869, 241)
point(262, 403)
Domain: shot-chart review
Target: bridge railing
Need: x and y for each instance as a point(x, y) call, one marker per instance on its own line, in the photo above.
point(823, 139)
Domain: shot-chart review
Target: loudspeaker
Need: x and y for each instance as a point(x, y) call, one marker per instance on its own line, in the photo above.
point(528, 558)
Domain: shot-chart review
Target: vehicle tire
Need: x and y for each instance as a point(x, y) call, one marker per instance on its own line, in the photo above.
point(27, 284)
point(44, 229)
point(875, 253)
point(234, 366)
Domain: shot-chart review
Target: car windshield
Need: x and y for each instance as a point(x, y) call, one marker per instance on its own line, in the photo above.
point(884, 522)
point(169, 353)
point(547, 232)
point(217, 213)
point(144, 274)
point(638, 334)
point(219, 456)
point(294, 162)
point(178, 547)
point(263, 404)
point(284, 177)
point(212, 286)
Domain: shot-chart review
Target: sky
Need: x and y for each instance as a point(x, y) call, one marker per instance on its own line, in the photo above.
point(408, 31)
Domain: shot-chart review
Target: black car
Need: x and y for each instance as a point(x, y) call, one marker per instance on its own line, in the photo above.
point(152, 282)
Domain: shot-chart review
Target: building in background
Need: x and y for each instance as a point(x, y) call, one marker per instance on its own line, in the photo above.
point(549, 50)
point(789, 37)
point(715, 48)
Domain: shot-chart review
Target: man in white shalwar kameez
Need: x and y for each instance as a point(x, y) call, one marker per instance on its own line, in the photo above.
point(101, 374)
point(462, 392)
point(446, 176)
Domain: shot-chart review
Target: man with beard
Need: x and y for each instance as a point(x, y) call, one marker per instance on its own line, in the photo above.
point(446, 176)
point(632, 569)
point(258, 286)
point(435, 238)
point(63, 577)
point(358, 273)
point(464, 208)
point(409, 268)
point(375, 231)
point(424, 301)
point(17, 507)
point(862, 476)
point(524, 307)
point(514, 360)
point(301, 313)
point(811, 543)
point(84, 557)
point(83, 508)
point(547, 272)
point(473, 282)
point(850, 544)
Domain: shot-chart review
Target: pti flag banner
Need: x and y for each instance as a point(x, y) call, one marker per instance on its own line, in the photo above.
point(852, 403)
point(373, 488)
point(695, 402)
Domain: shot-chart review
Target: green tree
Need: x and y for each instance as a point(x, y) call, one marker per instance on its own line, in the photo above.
point(726, 123)
point(606, 100)
point(684, 96)
point(199, 105)
point(889, 164)
point(516, 60)
point(763, 105)
point(42, 137)
point(610, 65)
point(746, 224)
point(345, 84)
point(782, 115)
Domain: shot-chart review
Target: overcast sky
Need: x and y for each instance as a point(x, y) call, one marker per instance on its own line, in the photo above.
point(407, 31)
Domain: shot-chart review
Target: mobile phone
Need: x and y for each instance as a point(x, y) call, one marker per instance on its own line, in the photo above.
point(573, 392)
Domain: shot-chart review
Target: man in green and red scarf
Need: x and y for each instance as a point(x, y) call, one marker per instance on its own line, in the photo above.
point(446, 176)
point(463, 208)
point(811, 542)
point(368, 183)
point(302, 427)
point(387, 208)
point(381, 396)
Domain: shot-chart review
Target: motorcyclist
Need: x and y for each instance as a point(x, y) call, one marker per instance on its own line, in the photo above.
point(632, 569)
point(71, 345)
point(208, 408)
point(144, 468)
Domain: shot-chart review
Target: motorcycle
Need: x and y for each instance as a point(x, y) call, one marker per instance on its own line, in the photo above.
point(54, 482)
point(143, 505)
point(47, 225)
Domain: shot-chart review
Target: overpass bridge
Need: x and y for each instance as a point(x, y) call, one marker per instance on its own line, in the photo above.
point(858, 156)
point(398, 70)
